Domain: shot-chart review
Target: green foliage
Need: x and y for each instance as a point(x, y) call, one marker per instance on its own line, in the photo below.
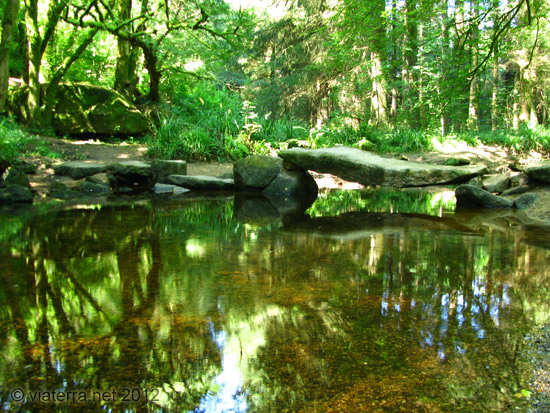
point(206, 124)
point(13, 142)
point(523, 140)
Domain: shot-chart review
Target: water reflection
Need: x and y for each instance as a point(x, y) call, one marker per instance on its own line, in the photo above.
point(199, 311)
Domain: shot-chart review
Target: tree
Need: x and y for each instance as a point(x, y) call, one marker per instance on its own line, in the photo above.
point(8, 22)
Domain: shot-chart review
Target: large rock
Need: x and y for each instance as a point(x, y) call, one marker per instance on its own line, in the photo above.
point(538, 171)
point(15, 194)
point(199, 182)
point(369, 169)
point(256, 171)
point(472, 196)
point(83, 108)
point(79, 169)
point(130, 174)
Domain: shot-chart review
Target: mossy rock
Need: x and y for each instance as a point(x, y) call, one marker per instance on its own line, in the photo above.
point(256, 171)
point(82, 108)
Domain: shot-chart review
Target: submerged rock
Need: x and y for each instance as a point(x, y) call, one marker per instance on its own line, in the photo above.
point(88, 187)
point(472, 196)
point(525, 201)
point(366, 168)
point(199, 182)
point(169, 189)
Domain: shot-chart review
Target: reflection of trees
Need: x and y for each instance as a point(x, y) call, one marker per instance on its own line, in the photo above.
point(81, 299)
point(408, 300)
point(372, 311)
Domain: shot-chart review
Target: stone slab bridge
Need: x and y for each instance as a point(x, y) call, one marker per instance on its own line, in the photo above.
point(367, 168)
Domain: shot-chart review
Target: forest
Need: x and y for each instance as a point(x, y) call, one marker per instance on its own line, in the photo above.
point(219, 80)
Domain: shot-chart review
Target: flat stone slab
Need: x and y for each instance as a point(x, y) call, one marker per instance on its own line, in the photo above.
point(200, 182)
point(367, 168)
point(79, 169)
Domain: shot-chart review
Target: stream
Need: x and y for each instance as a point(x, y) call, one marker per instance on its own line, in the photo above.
point(373, 300)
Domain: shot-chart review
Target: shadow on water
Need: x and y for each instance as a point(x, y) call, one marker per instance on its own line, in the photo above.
point(368, 301)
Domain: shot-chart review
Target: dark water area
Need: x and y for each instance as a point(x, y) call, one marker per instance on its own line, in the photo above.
point(372, 301)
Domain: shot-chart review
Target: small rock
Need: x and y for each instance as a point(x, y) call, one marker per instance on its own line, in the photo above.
point(472, 196)
point(518, 179)
point(458, 161)
point(516, 190)
point(525, 201)
point(366, 145)
point(496, 183)
point(169, 189)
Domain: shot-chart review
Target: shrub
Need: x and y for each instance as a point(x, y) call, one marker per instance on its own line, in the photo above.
point(13, 143)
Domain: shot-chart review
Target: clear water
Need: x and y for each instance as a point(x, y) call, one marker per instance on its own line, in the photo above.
point(373, 301)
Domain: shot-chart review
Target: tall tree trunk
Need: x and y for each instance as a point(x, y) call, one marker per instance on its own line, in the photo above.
point(494, 96)
point(421, 105)
point(151, 64)
point(442, 87)
point(473, 101)
point(33, 115)
point(8, 22)
point(410, 54)
point(379, 101)
point(124, 68)
point(378, 98)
